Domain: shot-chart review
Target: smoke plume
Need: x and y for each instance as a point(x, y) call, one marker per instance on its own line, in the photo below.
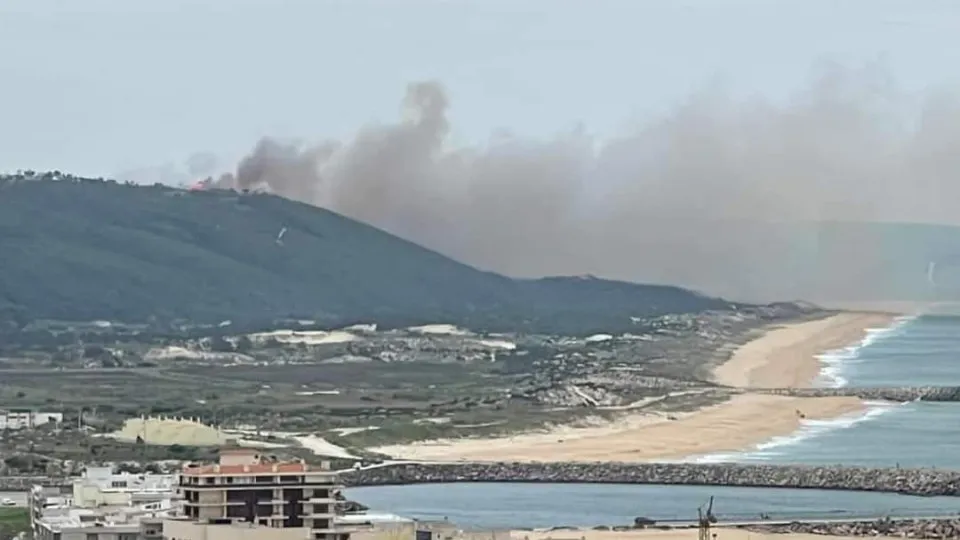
point(718, 195)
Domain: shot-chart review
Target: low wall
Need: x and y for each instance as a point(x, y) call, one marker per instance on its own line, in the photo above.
point(899, 394)
point(906, 481)
point(919, 528)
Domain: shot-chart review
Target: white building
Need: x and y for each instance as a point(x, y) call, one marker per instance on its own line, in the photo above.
point(101, 505)
point(100, 486)
point(27, 418)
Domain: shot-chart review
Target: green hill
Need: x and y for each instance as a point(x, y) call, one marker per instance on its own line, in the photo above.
point(77, 249)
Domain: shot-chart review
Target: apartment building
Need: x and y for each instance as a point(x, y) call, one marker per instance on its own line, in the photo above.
point(247, 494)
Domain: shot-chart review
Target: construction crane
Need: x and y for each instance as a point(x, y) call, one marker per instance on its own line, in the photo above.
point(705, 518)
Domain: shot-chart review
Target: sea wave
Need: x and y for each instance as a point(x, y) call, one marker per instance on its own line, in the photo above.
point(834, 373)
point(837, 363)
point(809, 429)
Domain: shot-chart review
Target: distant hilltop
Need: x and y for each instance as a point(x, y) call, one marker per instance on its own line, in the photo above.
point(80, 249)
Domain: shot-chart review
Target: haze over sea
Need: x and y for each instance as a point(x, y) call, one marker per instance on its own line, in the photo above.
point(914, 351)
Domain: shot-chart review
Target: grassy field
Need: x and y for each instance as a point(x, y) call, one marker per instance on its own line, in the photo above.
point(304, 396)
point(13, 521)
point(353, 405)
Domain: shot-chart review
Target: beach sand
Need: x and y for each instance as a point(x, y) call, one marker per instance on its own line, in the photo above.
point(786, 356)
point(783, 356)
point(648, 534)
point(742, 422)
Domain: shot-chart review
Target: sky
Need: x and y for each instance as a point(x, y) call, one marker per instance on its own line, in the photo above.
point(640, 140)
point(106, 86)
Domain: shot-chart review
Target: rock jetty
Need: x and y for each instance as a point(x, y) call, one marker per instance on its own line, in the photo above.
point(928, 482)
point(899, 394)
point(913, 528)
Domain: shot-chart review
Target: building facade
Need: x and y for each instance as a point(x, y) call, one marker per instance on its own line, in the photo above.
point(246, 488)
point(27, 418)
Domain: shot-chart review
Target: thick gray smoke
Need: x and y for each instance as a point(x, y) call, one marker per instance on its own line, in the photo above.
point(717, 195)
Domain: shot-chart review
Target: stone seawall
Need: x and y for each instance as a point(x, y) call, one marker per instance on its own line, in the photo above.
point(901, 394)
point(913, 528)
point(906, 481)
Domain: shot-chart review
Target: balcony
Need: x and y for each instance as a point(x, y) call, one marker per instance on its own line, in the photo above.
point(318, 515)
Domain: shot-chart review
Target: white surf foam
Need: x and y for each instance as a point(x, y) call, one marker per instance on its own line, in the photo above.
point(832, 375)
point(809, 429)
point(836, 363)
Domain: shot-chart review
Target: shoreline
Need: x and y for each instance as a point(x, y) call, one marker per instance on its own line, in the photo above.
point(797, 348)
point(742, 422)
point(781, 356)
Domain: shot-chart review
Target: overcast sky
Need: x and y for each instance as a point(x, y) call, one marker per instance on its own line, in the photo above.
point(102, 86)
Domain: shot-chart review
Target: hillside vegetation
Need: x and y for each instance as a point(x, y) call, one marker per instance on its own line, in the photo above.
point(79, 249)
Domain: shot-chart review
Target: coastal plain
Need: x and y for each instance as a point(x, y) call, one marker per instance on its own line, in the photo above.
point(674, 387)
point(779, 356)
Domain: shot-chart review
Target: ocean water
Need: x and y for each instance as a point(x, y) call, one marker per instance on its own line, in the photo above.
point(915, 351)
point(516, 506)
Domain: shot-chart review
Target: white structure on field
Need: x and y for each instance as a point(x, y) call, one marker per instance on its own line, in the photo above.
point(27, 418)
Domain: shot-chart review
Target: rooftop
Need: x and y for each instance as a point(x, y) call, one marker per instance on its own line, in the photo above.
point(239, 461)
point(59, 517)
point(105, 479)
point(257, 468)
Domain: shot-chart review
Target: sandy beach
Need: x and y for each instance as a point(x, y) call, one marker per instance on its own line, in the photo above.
point(786, 356)
point(783, 356)
point(742, 422)
point(648, 534)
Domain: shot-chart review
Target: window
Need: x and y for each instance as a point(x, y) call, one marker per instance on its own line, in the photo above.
point(92, 536)
point(118, 484)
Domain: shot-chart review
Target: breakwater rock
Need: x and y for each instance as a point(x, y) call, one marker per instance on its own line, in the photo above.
point(906, 481)
point(912, 528)
point(899, 394)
